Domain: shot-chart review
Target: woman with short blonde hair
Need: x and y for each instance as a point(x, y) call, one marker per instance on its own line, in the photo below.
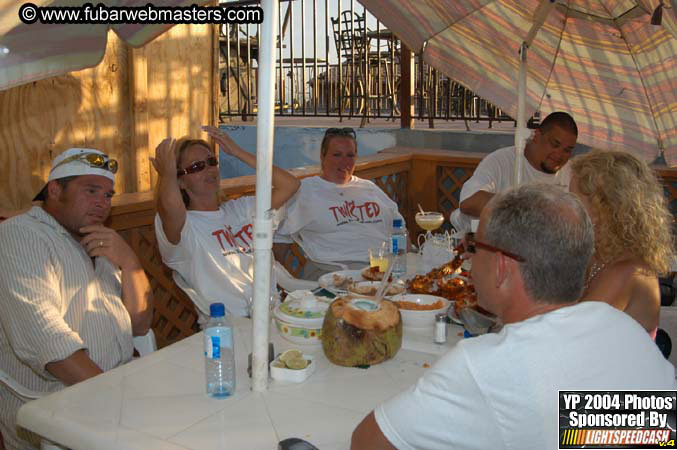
point(633, 232)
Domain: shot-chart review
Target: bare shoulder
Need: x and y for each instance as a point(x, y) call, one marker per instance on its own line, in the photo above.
point(631, 287)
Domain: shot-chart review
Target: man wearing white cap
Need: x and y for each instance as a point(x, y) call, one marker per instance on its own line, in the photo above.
point(72, 292)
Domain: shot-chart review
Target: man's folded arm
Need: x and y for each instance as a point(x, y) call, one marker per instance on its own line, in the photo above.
point(74, 369)
point(473, 205)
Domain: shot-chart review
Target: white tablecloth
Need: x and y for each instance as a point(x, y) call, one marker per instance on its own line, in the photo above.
point(159, 401)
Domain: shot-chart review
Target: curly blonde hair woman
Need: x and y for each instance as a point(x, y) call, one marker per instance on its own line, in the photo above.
point(633, 232)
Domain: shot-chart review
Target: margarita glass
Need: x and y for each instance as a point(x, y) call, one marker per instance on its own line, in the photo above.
point(429, 221)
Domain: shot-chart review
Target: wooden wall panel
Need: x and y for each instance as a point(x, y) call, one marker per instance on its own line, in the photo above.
point(138, 113)
point(179, 84)
point(43, 118)
point(124, 106)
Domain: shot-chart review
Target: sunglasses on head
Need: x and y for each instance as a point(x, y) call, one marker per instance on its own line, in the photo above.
point(473, 244)
point(198, 166)
point(96, 160)
point(347, 131)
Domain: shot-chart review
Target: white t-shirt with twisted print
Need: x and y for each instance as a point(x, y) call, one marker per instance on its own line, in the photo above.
point(338, 222)
point(214, 254)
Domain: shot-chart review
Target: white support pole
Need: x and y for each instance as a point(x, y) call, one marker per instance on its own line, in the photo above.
point(263, 229)
point(521, 132)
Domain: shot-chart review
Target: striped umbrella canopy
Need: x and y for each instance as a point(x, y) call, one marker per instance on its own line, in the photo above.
point(600, 60)
point(34, 51)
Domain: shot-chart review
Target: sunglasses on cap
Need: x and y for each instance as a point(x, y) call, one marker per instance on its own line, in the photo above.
point(198, 166)
point(473, 244)
point(347, 131)
point(96, 160)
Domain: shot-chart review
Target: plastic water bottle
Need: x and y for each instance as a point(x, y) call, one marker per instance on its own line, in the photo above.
point(398, 246)
point(219, 353)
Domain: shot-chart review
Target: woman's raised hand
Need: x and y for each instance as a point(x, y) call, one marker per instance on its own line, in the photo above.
point(164, 161)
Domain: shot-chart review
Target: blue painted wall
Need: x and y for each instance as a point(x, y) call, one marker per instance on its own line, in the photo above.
point(297, 146)
point(300, 146)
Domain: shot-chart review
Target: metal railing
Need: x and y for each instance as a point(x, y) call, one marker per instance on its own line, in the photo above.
point(335, 59)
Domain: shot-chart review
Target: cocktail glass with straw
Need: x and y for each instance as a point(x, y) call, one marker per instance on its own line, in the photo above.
point(429, 221)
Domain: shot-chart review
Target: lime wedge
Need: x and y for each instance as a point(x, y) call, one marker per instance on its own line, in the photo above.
point(290, 354)
point(297, 363)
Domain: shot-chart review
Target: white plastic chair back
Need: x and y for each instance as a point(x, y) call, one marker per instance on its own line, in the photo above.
point(288, 282)
point(18, 389)
point(201, 305)
point(329, 266)
point(284, 279)
point(145, 344)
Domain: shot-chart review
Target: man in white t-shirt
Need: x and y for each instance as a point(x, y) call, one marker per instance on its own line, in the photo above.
point(545, 160)
point(500, 390)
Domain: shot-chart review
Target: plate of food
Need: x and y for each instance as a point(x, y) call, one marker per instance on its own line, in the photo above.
point(375, 274)
point(338, 282)
point(466, 312)
point(372, 273)
point(453, 315)
point(370, 287)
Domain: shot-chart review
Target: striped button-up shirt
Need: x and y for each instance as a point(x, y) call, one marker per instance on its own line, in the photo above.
point(54, 300)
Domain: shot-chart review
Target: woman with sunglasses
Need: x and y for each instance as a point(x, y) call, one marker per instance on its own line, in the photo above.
point(336, 216)
point(633, 238)
point(208, 242)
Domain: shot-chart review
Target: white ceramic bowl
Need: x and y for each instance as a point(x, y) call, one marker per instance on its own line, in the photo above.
point(299, 334)
point(420, 319)
point(299, 322)
point(293, 376)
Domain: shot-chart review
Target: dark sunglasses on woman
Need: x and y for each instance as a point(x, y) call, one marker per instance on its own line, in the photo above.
point(198, 166)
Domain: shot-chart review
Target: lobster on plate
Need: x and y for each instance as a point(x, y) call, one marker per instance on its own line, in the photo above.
point(442, 281)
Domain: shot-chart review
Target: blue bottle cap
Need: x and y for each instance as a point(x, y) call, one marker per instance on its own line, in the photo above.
point(217, 310)
point(397, 223)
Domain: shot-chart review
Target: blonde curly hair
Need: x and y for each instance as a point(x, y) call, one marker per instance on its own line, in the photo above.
point(629, 206)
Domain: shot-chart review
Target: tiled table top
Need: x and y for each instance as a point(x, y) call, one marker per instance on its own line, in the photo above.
point(159, 401)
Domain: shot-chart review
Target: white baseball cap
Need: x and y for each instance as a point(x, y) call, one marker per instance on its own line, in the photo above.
point(80, 161)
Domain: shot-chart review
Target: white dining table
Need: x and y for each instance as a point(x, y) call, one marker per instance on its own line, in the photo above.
point(159, 401)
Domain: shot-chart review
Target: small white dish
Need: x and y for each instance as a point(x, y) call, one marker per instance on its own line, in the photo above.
point(291, 375)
